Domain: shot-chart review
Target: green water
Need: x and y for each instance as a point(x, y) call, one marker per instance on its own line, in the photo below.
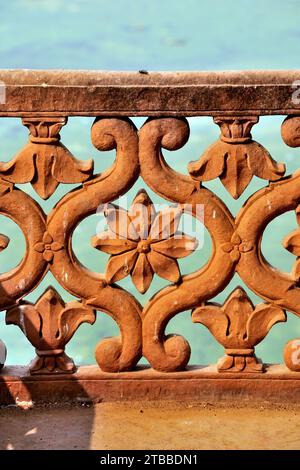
point(157, 35)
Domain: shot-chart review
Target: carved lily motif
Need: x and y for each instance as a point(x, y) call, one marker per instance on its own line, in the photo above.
point(49, 324)
point(45, 161)
point(292, 243)
point(239, 326)
point(235, 157)
point(142, 242)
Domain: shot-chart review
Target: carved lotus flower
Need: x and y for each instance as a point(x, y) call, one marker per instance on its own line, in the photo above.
point(142, 242)
point(45, 161)
point(239, 326)
point(49, 324)
point(235, 157)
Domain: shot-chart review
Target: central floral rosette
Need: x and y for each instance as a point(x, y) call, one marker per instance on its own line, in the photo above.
point(142, 242)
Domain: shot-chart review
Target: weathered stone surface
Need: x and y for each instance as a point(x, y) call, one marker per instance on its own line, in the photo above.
point(140, 242)
point(67, 93)
point(200, 384)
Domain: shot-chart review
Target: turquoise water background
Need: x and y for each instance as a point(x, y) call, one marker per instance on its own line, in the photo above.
point(152, 35)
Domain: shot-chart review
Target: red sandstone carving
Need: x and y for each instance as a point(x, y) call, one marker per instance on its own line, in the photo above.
point(139, 246)
point(142, 243)
point(238, 326)
point(235, 158)
point(49, 324)
point(112, 354)
point(44, 161)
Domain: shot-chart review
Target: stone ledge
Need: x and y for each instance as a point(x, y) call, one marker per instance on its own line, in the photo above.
point(98, 93)
point(277, 385)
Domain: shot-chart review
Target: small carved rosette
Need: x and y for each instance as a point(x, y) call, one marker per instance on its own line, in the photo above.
point(49, 324)
point(239, 326)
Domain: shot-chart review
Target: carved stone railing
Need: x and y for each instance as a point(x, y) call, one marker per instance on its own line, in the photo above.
point(139, 241)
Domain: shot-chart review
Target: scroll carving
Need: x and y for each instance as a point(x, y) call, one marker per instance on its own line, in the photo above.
point(170, 353)
point(49, 324)
point(142, 242)
point(112, 354)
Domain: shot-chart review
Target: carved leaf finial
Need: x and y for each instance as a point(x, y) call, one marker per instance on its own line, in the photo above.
point(49, 324)
point(142, 242)
point(235, 157)
point(239, 327)
point(45, 161)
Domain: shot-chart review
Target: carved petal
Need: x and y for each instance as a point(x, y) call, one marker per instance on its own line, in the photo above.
point(179, 247)
point(166, 223)
point(213, 317)
point(119, 266)
point(109, 243)
point(225, 363)
point(21, 169)
point(262, 164)
point(55, 246)
point(261, 321)
point(211, 163)
point(67, 169)
point(40, 247)
point(44, 183)
point(237, 175)
point(120, 223)
point(292, 242)
point(165, 267)
point(238, 307)
point(72, 317)
point(142, 273)
point(296, 270)
point(26, 317)
point(227, 247)
point(142, 213)
point(47, 238)
point(239, 363)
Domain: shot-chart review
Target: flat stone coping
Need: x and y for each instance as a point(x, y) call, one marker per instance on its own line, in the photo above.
point(147, 93)
point(277, 385)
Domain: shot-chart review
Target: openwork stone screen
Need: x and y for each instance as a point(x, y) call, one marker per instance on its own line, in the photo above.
point(143, 241)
